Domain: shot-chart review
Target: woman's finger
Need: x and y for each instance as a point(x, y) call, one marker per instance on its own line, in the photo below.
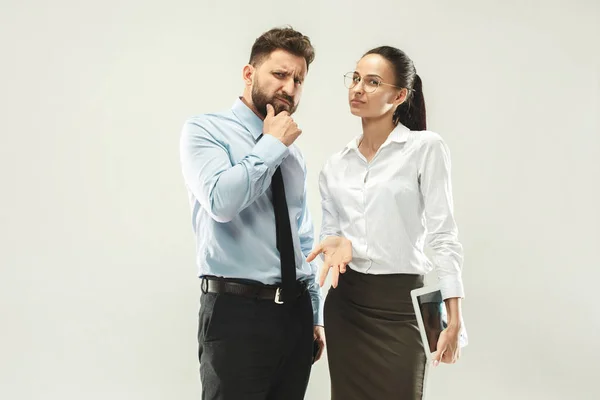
point(323, 275)
point(335, 276)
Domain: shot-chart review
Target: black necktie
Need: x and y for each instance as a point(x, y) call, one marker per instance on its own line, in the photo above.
point(285, 243)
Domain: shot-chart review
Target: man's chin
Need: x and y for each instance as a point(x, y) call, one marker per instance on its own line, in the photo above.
point(281, 107)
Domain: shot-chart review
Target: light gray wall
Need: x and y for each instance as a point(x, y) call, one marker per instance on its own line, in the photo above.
point(98, 288)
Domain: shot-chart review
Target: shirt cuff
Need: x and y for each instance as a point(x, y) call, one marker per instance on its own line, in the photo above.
point(318, 316)
point(323, 235)
point(271, 150)
point(317, 304)
point(452, 287)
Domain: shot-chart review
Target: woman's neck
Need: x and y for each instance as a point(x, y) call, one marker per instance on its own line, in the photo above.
point(375, 132)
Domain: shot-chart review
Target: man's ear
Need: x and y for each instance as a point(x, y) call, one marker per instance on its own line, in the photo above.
point(248, 74)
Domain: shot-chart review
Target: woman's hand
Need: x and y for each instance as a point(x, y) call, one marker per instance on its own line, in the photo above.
point(337, 252)
point(448, 349)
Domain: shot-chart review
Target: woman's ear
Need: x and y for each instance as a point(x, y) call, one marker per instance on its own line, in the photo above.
point(401, 96)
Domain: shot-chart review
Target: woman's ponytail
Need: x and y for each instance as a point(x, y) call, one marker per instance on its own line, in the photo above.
point(412, 113)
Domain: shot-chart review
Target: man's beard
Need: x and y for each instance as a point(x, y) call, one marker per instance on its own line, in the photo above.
point(260, 101)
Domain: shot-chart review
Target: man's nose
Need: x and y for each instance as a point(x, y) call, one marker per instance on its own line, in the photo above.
point(290, 87)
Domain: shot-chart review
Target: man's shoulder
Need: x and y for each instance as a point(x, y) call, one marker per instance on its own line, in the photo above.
point(210, 123)
point(211, 118)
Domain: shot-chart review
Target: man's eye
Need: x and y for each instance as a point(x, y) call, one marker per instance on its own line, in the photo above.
point(280, 74)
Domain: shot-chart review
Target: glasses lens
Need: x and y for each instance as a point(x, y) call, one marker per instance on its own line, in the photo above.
point(349, 81)
point(371, 84)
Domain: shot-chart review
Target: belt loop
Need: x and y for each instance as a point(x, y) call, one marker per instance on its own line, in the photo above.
point(204, 285)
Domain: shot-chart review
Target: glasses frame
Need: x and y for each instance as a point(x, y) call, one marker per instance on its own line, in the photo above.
point(351, 75)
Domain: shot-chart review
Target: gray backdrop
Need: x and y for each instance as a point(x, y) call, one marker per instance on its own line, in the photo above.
point(98, 287)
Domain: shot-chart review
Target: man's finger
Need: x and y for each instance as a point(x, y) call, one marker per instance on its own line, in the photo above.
point(321, 349)
point(342, 268)
point(270, 111)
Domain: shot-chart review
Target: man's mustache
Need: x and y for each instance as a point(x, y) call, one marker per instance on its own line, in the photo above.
point(286, 97)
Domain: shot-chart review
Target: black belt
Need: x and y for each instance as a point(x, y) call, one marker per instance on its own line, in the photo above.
point(257, 291)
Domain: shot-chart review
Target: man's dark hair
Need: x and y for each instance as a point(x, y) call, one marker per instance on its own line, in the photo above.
point(285, 38)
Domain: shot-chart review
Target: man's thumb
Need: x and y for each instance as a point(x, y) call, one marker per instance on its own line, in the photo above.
point(270, 111)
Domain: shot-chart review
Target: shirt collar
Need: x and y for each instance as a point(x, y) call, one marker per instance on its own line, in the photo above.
point(248, 118)
point(398, 135)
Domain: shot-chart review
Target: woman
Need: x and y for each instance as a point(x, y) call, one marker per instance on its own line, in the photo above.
point(384, 196)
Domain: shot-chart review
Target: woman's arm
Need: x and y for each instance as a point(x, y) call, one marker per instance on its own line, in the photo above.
point(442, 238)
point(442, 232)
point(335, 250)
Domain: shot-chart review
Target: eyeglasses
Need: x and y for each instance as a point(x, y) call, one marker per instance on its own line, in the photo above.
point(370, 82)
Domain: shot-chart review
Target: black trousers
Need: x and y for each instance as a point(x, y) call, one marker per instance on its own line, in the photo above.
point(252, 349)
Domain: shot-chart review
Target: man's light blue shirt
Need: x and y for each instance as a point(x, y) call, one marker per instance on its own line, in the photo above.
point(227, 166)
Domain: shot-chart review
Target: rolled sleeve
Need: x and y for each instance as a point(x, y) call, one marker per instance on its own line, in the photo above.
point(223, 189)
point(330, 225)
point(317, 302)
point(271, 150)
point(442, 232)
point(306, 235)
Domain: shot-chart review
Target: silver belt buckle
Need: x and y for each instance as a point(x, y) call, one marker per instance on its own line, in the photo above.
point(278, 296)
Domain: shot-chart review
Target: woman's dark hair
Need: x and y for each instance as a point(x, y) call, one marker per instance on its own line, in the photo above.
point(411, 113)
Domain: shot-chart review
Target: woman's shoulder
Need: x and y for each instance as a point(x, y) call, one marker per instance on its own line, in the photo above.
point(427, 138)
point(337, 157)
point(429, 141)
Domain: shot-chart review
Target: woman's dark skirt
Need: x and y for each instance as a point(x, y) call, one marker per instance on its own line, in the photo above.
point(374, 347)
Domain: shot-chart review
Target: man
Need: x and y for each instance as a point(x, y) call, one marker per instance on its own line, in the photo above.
point(260, 307)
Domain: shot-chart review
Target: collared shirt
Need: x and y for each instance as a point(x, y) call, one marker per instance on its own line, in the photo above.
point(227, 166)
point(394, 205)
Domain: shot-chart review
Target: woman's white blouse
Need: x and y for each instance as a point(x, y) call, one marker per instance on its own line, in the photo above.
point(394, 205)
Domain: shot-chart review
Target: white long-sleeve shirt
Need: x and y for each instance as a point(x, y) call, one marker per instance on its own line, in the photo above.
point(394, 205)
